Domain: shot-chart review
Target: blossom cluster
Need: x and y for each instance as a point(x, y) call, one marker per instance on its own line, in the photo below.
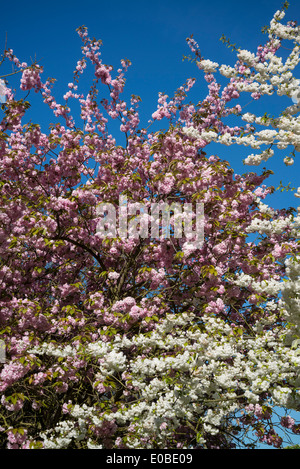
point(263, 73)
point(174, 387)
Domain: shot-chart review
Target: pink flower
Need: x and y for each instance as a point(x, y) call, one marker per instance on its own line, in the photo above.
point(10, 406)
point(221, 248)
point(102, 72)
point(31, 79)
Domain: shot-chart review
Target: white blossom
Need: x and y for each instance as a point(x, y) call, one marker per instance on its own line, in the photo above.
point(208, 66)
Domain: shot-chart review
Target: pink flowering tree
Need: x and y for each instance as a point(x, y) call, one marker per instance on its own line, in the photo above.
point(141, 341)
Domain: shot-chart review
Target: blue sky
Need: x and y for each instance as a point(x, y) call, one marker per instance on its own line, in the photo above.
point(152, 34)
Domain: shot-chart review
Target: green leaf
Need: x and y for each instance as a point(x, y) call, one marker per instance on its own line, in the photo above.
point(179, 255)
point(13, 243)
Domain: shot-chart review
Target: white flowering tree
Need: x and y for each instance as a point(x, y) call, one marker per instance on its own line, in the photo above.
point(144, 342)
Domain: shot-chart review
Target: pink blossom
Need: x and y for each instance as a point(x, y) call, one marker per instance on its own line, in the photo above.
point(287, 422)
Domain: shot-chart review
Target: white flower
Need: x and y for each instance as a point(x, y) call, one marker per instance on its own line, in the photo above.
point(246, 56)
point(226, 139)
point(288, 161)
point(252, 160)
point(209, 136)
point(281, 395)
point(208, 66)
point(248, 117)
point(114, 361)
point(263, 208)
point(267, 135)
point(279, 15)
point(191, 132)
point(227, 71)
